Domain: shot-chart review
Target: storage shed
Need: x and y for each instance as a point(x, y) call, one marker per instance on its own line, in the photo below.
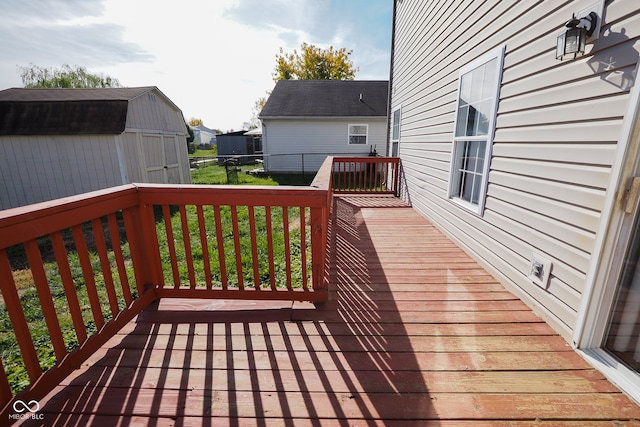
point(60, 142)
point(238, 145)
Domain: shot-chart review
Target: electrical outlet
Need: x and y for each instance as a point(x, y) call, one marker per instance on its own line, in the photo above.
point(539, 270)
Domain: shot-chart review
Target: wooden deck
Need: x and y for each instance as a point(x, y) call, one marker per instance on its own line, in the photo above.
point(415, 333)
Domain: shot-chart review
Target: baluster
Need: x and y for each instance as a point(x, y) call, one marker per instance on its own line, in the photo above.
point(287, 245)
point(238, 250)
point(87, 272)
point(18, 320)
point(117, 252)
point(69, 286)
point(269, 226)
point(221, 254)
point(166, 214)
point(205, 247)
point(254, 248)
point(303, 248)
point(186, 238)
point(101, 247)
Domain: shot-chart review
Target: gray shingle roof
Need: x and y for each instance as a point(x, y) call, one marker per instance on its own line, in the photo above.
point(66, 111)
point(327, 98)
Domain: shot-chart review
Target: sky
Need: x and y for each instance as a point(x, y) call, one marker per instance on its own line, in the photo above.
point(213, 58)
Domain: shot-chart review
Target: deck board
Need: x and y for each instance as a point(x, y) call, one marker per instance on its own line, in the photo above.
point(415, 333)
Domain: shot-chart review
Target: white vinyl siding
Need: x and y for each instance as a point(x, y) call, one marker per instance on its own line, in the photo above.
point(555, 138)
point(290, 145)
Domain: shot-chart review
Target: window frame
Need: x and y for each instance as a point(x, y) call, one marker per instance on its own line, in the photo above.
point(460, 142)
point(366, 134)
point(398, 110)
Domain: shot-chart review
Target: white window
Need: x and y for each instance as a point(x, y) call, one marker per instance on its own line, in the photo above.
point(358, 134)
point(395, 125)
point(478, 90)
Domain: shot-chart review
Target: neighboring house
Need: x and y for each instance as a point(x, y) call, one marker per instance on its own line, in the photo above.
point(239, 145)
point(203, 136)
point(61, 142)
point(528, 161)
point(303, 121)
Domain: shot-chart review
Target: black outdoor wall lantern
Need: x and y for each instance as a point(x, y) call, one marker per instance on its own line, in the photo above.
point(574, 39)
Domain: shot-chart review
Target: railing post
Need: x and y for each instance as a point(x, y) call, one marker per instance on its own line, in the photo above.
point(396, 177)
point(318, 242)
point(143, 244)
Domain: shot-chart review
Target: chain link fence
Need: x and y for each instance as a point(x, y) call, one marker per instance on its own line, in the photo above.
point(293, 163)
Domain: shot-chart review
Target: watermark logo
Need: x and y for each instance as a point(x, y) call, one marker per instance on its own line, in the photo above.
point(24, 410)
point(20, 406)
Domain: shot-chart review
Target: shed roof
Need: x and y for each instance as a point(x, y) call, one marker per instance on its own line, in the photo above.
point(67, 111)
point(327, 98)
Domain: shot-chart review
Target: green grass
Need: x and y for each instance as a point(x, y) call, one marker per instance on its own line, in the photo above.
point(205, 153)
point(278, 218)
point(217, 175)
point(9, 350)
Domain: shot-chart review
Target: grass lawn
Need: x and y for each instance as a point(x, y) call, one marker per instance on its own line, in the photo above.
point(9, 351)
point(286, 253)
point(217, 175)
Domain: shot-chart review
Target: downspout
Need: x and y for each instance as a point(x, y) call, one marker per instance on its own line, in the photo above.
point(393, 43)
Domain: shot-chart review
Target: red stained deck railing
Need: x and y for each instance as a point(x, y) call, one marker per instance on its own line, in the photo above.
point(366, 175)
point(120, 249)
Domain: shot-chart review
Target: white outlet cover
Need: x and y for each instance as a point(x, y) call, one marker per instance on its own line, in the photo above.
point(543, 279)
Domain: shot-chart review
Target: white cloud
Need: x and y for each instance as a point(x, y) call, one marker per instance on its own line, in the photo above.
point(214, 59)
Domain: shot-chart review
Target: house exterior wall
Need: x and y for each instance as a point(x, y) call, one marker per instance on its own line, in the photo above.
point(556, 134)
point(286, 140)
point(34, 169)
point(202, 137)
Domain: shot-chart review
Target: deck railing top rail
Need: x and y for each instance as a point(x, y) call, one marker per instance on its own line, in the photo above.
point(83, 266)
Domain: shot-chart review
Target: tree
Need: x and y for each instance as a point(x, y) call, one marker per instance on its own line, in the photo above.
point(195, 122)
point(254, 123)
point(311, 63)
point(314, 63)
point(66, 76)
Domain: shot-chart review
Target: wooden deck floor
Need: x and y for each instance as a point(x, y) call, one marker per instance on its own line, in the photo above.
point(416, 334)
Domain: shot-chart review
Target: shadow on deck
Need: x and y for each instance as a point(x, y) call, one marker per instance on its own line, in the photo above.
point(414, 331)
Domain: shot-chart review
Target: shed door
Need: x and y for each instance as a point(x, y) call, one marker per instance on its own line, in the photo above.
point(162, 162)
point(172, 164)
